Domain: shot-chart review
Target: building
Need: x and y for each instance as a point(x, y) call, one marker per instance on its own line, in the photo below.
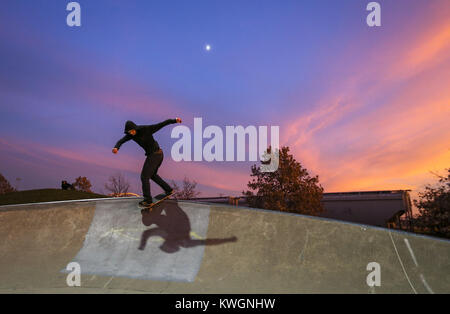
point(388, 209)
point(376, 208)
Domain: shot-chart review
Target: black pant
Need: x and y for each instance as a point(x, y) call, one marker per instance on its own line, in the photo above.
point(149, 171)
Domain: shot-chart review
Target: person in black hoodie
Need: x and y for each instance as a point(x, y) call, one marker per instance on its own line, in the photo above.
point(143, 136)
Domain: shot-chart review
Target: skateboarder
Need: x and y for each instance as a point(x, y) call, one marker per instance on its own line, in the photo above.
point(143, 135)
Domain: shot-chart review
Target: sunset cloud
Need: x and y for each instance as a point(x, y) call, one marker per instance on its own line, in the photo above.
point(394, 143)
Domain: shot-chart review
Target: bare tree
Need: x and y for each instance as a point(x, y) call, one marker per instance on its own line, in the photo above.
point(187, 191)
point(117, 184)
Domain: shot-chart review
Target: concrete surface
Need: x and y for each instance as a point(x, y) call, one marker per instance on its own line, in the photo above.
point(123, 246)
point(206, 248)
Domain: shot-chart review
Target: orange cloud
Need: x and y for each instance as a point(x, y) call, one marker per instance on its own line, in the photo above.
point(432, 47)
point(356, 144)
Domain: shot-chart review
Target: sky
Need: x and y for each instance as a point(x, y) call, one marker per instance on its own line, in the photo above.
point(364, 108)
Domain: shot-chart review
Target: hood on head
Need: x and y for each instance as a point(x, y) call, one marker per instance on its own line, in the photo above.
point(130, 125)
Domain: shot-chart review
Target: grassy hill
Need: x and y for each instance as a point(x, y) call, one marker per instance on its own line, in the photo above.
point(45, 195)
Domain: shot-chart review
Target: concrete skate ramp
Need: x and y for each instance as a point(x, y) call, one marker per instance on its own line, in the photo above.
point(203, 248)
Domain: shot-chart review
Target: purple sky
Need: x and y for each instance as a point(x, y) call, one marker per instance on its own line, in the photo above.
point(364, 108)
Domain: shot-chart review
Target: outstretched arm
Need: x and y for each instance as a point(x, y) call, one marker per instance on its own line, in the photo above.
point(123, 140)
point(156, 127)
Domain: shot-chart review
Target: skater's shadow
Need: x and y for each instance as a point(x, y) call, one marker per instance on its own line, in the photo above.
point(174, 227)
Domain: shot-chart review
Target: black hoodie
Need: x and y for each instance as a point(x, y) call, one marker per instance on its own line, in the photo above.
point(144, 135)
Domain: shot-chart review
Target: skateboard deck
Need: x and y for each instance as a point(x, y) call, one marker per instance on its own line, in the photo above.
point(156, 201)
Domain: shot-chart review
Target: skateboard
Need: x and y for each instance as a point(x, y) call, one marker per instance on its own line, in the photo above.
point(156, 200)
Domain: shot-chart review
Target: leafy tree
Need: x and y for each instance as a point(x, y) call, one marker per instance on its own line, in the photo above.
point(434, 208)
point(82, 184)
point(289, 189)
point(117, 184)
point(5, 186)
point(187, 191)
